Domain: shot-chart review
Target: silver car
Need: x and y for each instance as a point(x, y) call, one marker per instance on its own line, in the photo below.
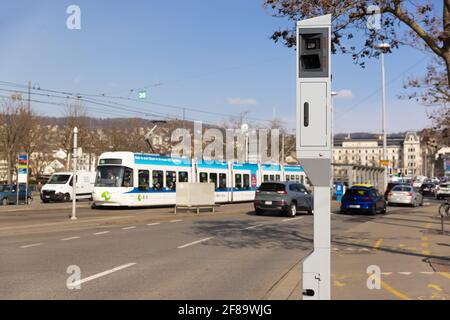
point(404, 194)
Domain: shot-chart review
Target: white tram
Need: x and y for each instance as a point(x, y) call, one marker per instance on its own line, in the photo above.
point(131, 179)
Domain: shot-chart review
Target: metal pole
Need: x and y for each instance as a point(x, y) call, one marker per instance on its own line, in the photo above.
point(74, 177)
point(383, 93)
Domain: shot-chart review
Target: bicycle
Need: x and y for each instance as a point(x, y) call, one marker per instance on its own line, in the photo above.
point(444, 209)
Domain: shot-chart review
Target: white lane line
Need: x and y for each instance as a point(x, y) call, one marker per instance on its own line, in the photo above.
point(405, 273)
point(31, 245)
point(386, 273)
point(128, 228)
point(100, 233)
point(194, 243)
point(101, 274)
point(173, 221)
point(153, 224)
point(68, 239)
point(253, 227)
point(291, 219)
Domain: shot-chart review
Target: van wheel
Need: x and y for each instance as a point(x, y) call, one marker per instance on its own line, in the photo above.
point(67, 197)
point(5, 202)
point(292, 210)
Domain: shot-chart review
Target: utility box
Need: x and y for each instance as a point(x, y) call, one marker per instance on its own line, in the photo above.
point(195, 196)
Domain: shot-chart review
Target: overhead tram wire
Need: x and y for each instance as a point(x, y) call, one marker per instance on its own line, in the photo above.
point(104, 96)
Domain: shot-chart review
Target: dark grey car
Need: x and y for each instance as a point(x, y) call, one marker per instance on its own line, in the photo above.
point(288, 197)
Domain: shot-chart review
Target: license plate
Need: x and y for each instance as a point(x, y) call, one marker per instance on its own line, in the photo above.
point(268, 202)
point(47, 197)
point(354, 206)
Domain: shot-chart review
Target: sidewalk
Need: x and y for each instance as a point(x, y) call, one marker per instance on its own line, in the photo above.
point(407, 248)
point(411, 254)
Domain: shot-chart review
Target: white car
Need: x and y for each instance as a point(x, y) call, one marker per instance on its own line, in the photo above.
point(443, 190)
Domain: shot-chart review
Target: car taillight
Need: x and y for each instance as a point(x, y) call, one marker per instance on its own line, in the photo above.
point(258, 191)
point(409, 194)
point(281, 192)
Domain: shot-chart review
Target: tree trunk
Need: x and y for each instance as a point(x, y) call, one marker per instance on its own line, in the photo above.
point(9, 167)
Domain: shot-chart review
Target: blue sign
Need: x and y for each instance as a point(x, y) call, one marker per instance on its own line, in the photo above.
point(339, 191)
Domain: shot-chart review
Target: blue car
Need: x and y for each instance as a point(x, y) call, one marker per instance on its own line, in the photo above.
point(363, 199)
point(8, 194)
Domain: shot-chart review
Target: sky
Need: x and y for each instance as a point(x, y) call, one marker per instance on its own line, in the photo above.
point(212, 55)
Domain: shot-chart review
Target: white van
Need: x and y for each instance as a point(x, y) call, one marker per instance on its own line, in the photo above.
point(59, 186)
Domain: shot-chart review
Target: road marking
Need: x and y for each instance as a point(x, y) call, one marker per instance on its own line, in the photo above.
point(435, 287)
point(427, 272)
point(426, 252)
point(101, 274)
point(31, 245)
point(395, 292)
point(173, 221)
point(339, 284)
point(377, 244)
point(153, 224)
point(405, 273)
point(444, 274)
point(100, 233)
point(425, 245)
point(253, 227)
point(386, 273)
point(364, 250)
point(128, 228)
point(424, 238)
point(194, 243)
point(291, 219)
point(68, 239)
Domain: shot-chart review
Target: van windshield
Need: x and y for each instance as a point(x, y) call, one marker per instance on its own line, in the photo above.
point(59, 179)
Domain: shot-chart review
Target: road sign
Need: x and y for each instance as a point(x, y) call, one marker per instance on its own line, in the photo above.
point(384, 163)
point(142, 95)
point(22, 169)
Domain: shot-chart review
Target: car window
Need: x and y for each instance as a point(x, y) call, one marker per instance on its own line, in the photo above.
point(272, 187)
point(302, 188)
point(293, 187)
point(402, 188)
point(357, 192)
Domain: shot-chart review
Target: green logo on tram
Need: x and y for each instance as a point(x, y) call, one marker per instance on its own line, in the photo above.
point(106, 195)
point(139, 197)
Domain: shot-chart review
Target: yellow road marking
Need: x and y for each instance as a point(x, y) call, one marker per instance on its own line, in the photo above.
point(426, 252)
point(395, 292)
point(425, 245)
point(424, 238)
point(435, 287)
point(444, 274)
point(338, 283)
point(378, 244)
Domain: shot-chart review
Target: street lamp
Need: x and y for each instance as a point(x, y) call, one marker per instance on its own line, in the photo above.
point(383, 48)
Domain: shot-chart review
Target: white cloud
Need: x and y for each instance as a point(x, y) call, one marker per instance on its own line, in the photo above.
point(241, 102)
point(344, 94)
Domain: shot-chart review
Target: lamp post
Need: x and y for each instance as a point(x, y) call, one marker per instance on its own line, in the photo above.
point(384, 48)
point(333, 94)
point(74, 176)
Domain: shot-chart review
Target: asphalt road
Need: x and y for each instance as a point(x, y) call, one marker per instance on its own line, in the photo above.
point(151, 253)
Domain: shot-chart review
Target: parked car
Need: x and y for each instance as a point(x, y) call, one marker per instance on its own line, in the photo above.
point(8, 194)
point(59, 186)
point(428, 189)
point(362, 199)
point(443, 190)
point(405, 195)
point(287, 197)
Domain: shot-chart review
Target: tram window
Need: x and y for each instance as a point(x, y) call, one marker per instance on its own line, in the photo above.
point(272, 177)
point(158, 180)
point(127, 178)
point(266, 178)
point(171, 180)
point(297, 178)
point(203, 177)
point(183, 177)
point(238, 181)
point(302, 179)
point(287, 178)
point(222, 181)
point(246, 182)
point(277, 177)
point(213, 179)
point(144, 179)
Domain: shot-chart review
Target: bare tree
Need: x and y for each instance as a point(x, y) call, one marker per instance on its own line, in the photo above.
point(16, 122)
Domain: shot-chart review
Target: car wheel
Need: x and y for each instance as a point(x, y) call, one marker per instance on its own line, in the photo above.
point(259, 212)
point(292, 210)
point(310, 212)
point(373, 212)
point(45, 201)
point(5, 202)
point(29, 200)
